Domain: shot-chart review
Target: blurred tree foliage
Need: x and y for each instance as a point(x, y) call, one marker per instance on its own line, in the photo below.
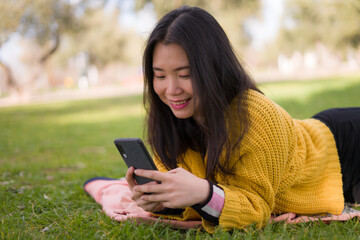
point(44, 21)
point(87, 26)
point(75, 26)
point(102, 38)
point(232, 14)
point(333, 23)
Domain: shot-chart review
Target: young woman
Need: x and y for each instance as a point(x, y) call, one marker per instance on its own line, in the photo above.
point(225, 152)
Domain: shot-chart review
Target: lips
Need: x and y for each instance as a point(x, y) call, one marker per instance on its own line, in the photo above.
point(180, 104)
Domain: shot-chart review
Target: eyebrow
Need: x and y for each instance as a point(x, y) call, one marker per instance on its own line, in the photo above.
point(176, 69)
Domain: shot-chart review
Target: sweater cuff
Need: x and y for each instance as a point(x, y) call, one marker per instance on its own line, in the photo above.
point(211, 209)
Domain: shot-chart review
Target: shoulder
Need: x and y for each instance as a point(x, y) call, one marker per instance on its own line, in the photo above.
point(261, 112)
point(264, 116)
point(258, 102)
point(269, 124)
point(261, 109)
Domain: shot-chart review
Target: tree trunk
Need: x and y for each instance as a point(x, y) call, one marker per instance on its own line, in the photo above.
point(52, 49)
point(39, 68)
point(10, 82)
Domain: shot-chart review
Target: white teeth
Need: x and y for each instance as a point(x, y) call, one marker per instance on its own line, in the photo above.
point(179, 103)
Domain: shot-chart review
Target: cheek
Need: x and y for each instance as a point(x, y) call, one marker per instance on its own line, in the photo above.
point(189, 88)
point(159, 89)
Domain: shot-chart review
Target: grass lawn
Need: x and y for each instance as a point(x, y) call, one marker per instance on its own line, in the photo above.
point(47, 151)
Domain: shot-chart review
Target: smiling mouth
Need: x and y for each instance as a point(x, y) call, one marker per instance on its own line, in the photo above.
point(180, 102)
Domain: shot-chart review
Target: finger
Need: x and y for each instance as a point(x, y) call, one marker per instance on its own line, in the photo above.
point(158, 208)
point(164, 204)
point(152, 174)
point(130, 178)
point(135, 195)
point(151, 187)
point(155, 197)
point(152, 207)
point(176, 170)
point(148, 205)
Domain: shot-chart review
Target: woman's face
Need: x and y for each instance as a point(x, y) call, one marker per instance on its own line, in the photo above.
point(172, 80)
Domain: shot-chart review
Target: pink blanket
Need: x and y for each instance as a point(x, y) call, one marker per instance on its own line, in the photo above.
point(114, 197)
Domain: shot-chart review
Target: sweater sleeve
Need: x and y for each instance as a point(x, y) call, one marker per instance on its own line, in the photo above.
point(211, 209)
point(258, 165)
point(159, 165)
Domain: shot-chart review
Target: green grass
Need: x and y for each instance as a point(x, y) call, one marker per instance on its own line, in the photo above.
point(47, 152)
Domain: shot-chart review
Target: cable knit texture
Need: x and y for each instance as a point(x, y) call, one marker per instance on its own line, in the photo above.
point(282, 165)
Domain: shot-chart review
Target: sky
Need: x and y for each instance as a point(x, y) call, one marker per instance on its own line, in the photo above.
point(143, 21)
point(10, 52)
point(266, 29)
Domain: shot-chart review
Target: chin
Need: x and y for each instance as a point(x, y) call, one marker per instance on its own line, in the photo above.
point(183, 116)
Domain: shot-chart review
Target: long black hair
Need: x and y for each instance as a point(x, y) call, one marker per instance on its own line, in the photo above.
point(217, 79)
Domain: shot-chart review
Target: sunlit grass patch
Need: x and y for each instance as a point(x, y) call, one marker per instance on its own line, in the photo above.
point(304, 90)
point(109, 113)
point(302, 99)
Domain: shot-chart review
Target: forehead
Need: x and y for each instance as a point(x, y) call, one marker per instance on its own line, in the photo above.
point(169, 55)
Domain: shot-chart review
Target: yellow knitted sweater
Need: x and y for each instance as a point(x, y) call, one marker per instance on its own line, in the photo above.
point(282, 165)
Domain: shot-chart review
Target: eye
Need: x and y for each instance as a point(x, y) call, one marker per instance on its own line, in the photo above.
point(184, 76)
point(159, 76)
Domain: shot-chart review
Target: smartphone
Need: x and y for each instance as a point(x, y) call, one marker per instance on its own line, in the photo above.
point(134, 153)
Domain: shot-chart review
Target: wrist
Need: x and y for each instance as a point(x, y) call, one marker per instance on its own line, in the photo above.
point(206, 193)
point(211, 209)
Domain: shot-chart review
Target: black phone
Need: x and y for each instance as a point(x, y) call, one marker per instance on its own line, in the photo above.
point(134, 153)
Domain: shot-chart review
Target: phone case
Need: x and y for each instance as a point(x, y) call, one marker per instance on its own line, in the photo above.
point(134, 153)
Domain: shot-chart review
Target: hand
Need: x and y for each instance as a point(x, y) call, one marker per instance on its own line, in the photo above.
point(178, 188)
point(136, 196)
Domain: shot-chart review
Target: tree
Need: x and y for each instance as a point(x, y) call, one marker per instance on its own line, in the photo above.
point(10, 12)
point(334, 23)
point(232, 14)
point(44, 21)
point(85, 27)
point(103, 38)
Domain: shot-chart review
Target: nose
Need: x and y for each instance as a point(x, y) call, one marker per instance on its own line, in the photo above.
point(173, 87)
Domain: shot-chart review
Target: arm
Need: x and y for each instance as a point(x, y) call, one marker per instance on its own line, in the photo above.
point(211, 209)
point(259, 164)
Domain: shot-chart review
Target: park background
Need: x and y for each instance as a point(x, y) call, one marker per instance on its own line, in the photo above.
point(71, 82)
point(51, 46)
